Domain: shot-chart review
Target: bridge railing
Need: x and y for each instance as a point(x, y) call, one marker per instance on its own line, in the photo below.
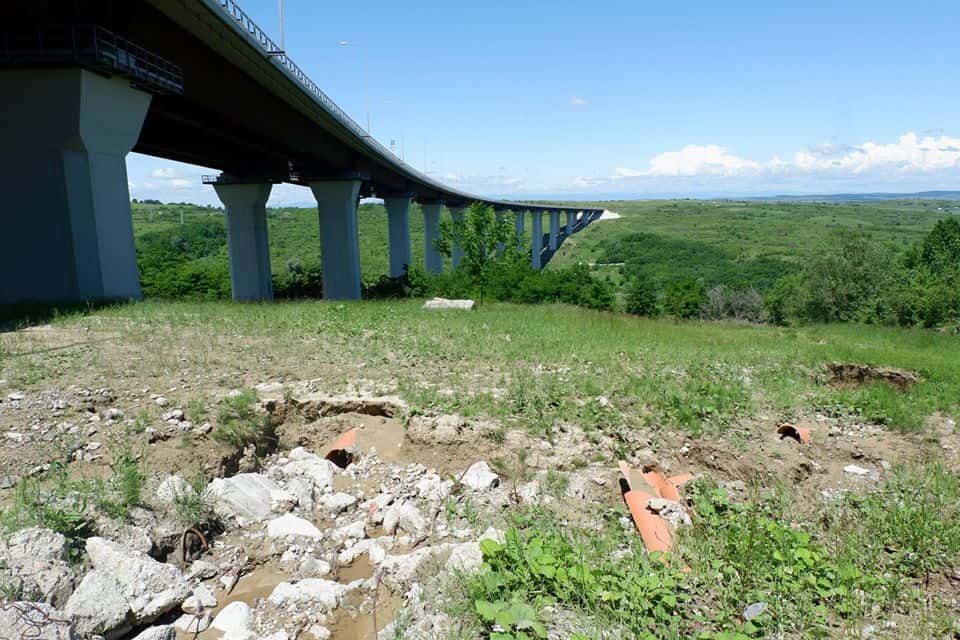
point(232, 9)
point(89, 46)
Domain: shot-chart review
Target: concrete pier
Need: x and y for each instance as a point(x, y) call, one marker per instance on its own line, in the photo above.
point(571, 220)
point(554, 230)
point(456, 253)
point(67, 231)
point(518, 224)
point(247, 239)
point(339, 241)
point(501, 246)
point(398, 223)
point(536, 244)
point(432, 259)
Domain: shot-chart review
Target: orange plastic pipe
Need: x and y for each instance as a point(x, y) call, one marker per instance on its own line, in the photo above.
point(654, 530)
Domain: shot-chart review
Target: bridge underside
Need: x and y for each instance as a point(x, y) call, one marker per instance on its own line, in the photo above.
point(175, 79)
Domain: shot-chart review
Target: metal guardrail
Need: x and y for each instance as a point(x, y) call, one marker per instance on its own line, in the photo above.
point(90, 46)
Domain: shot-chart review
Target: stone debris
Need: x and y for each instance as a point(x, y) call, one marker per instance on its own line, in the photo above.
point(479, 477)
point(242, 499)
point(36, 621)
point(164, 632)
point(151, 588)
point(99, 606)
point(444, 303)
point(671, 511)
point(311, 592)
point(233, 619)
point(33, 561)
point(854, 470)
point(174, 488)
point(289, 525)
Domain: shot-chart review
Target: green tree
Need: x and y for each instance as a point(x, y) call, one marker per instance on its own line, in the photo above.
point(684, 297)
point(642, 298)
point(482, 238)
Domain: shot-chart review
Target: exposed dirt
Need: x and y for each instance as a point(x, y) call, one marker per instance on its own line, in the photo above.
point(851, 374)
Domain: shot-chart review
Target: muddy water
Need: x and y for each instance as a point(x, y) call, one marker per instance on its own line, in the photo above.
point(361, 627)
point(387, 437)
point(251, 587)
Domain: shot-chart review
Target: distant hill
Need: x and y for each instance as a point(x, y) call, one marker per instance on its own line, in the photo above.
point(864, 197)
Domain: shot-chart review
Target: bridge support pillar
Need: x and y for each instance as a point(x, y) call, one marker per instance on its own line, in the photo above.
point(67, 231)
point(339, 241)
point(554, 229)
point(247, 239)
point(519, 224)
point(398, 223)
point(536, 244)
point(571, 220)
point(456, 254)
point(501, 246)
point(432, 260)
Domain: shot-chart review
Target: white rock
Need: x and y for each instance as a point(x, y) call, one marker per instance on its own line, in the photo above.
point(290, 525)
point(479, 477)
point(854, 470)
point(233, 618)
point(36, 558)
point(672, 512)
point(245, 497)
point(401, 570)
point(164, 632)
point(189, 623)
point(337, 502)
point(444, 303)
point(318, 470)
point(374, 552)
point(404, 516)
point(161, 401)
point(433, 488)
point(201, 600)
point(36, 621)
point(302, 488)
point(174, 488)
point(465, 557)
point(151, 588)
point(354, 530)
point(99, 606)
point(282, 501)
point(325, 594)
point(173, 414)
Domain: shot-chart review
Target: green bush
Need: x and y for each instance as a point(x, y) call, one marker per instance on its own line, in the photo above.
point(642, 298)
point(683, 298)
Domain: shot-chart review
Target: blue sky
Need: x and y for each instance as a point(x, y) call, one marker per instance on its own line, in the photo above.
point(632, 99)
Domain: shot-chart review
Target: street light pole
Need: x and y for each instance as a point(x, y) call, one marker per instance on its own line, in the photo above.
point(280, 6)
point(363, 72)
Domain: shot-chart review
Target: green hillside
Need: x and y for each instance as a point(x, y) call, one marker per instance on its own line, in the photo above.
point(738, 242)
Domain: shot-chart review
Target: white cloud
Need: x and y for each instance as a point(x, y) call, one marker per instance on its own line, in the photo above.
point(908, 155)
point(179, 183)
point(577, 101)
point(693, 160)
point(164, 172)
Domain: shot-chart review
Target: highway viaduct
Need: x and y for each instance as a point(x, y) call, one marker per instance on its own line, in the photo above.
point(84, 82)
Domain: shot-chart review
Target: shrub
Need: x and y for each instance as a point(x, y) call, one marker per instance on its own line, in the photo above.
point(642, 298)
point(744, 305)
point(684, 298)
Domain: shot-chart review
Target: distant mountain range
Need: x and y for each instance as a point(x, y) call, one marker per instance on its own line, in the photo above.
point(865, 197)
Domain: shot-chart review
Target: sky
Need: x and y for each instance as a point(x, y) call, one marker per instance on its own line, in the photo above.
point(605, 99)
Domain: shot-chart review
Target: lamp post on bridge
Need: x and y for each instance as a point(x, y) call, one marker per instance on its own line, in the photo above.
point(363, 72)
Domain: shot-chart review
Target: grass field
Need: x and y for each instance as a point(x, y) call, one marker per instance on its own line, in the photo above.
point(706, 396)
